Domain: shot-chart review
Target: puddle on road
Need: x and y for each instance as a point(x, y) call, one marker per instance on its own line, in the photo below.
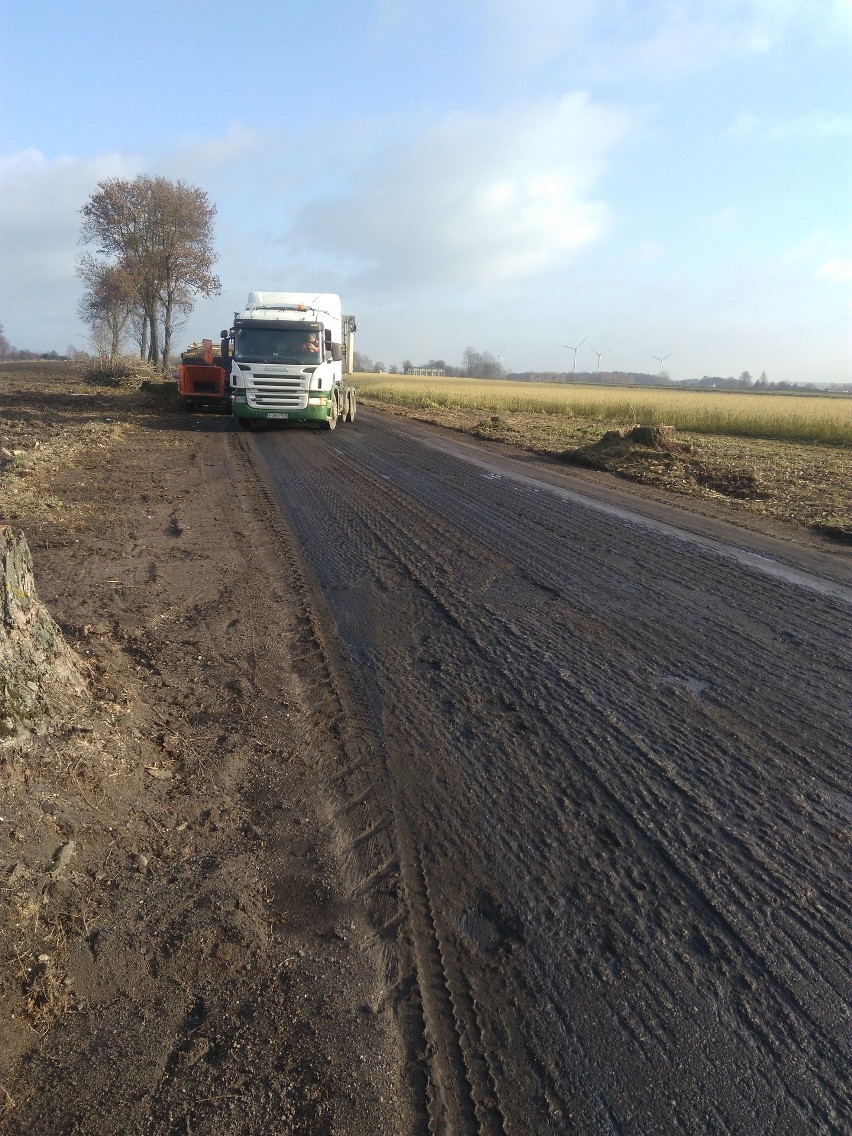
point(694, 685)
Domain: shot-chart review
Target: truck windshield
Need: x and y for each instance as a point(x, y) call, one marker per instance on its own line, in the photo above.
point(269, 345)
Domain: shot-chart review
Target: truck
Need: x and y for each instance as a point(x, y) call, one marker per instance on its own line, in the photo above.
point(204, 378)
point(288, 354)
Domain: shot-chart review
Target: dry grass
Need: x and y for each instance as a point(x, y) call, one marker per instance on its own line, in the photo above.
point(799, 418)
point(53, 416)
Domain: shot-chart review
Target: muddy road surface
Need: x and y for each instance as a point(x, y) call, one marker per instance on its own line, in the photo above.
point(600, 822)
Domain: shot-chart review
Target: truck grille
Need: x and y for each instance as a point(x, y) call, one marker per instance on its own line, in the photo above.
point(277, 392)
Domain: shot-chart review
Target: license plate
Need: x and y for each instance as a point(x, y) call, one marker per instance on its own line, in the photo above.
point(278, 416)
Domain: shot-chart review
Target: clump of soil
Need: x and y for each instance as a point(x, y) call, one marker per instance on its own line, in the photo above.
point(641, 452)
point(839, 530)
point(621, 448)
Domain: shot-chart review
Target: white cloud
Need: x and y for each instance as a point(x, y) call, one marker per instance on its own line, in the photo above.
point(820, 251)
point(476, 200)
point(837, 270)
point(39, 231)
point(745, 125)
point(814, 125)
point(723, 219)
point(220, 158)
point(655, 38)
point(646, 252)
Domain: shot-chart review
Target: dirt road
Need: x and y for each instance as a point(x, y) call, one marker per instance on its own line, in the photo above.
point(609, 797)
point(492, 801)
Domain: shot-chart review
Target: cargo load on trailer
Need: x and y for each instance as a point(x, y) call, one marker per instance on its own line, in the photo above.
point(289, 353)
point(203, 378)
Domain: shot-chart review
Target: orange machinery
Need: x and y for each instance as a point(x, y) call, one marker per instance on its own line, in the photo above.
point(203, 378)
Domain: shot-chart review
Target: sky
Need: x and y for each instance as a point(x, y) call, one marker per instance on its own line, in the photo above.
point(655, 178)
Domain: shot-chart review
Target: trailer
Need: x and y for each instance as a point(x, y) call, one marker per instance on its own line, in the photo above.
point(289, 352)
point(203, 378)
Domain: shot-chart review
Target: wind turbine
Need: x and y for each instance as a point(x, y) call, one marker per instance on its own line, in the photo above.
point(661, 359)
point(575, 350)
point(599, 354)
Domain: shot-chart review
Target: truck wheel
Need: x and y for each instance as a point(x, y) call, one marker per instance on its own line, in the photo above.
point(350, 405)
point(331, 421)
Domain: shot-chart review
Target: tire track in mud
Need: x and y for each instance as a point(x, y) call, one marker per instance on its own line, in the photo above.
point(748, 653)
point(828, 724)
point(457, 555)
point(458, 1094)
point(442, 593)
point(452, 603)
point(627, 738)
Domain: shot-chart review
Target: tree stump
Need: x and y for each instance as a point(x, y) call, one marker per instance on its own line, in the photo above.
point(39, 673)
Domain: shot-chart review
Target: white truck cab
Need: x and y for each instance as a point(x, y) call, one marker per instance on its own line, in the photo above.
point(289, 352)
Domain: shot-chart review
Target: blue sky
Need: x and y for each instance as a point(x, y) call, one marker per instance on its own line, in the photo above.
point(659, 177)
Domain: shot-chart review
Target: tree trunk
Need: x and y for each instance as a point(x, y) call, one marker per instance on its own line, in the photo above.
point(39, 673)
point(153, 343)
point(141, 335)
point(115, 340)
point(167, 333)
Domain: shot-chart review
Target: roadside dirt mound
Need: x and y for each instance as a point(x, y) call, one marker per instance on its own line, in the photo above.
point(620, 447)
point(637, 452)
point(641, 453)
point(41, 675)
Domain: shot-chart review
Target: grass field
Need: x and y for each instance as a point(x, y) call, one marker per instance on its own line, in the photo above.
point(784, 417)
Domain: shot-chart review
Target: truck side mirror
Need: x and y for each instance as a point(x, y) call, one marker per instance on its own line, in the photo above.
point(336, 353)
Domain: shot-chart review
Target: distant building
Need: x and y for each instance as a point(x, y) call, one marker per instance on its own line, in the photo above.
point(424, 371)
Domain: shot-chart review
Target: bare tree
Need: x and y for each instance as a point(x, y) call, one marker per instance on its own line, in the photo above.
point(5, 347)
point(160, 234)
point(107, 302)
point(183, 234)
point(481, 364)
point(490, 367)
point(471, 359)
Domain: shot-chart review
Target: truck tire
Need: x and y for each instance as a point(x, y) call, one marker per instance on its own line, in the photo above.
point(350, 405)
point(331, 421)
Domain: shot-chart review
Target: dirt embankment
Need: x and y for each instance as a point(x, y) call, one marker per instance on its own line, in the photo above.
point(175, 906)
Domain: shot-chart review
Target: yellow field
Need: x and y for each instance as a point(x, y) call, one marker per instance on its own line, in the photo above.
point(791, 417)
